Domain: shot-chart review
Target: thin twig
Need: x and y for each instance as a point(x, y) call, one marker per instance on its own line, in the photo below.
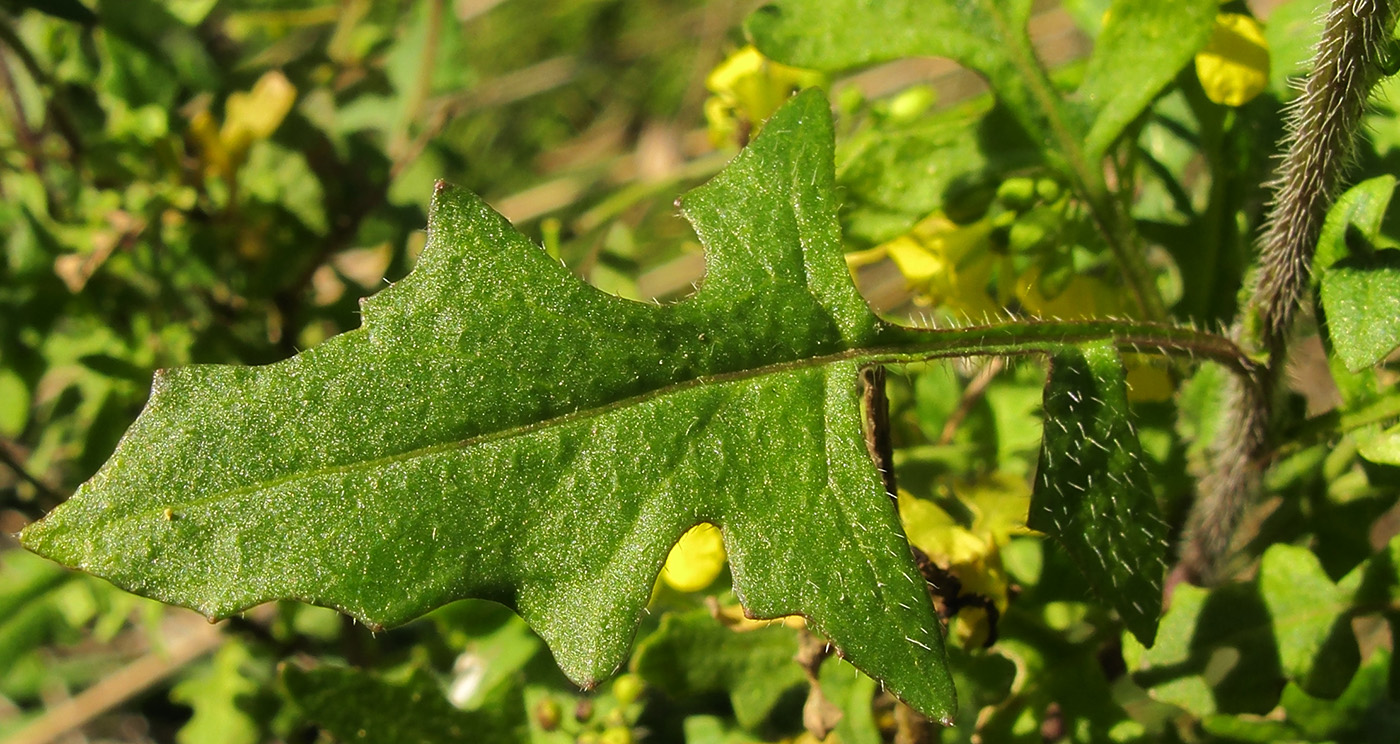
point(47, 494)
point(971, 394)
point(196, 639)
point(29, 140)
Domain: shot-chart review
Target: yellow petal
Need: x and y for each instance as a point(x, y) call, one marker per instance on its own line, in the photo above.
point(915, 260)
point(1085, 297)
point(1148, 379)
point(217, 160)
point(256, 114)
point(695, 560)
point(748, 87)
point(1234, 66)
point(857, 259)
point(744, 63)
point(721, 121)
point(936, 533)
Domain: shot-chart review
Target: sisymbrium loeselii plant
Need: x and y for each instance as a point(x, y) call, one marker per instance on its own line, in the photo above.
point(959, 386)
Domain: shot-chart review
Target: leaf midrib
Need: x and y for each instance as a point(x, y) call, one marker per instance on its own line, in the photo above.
point(1037, 337)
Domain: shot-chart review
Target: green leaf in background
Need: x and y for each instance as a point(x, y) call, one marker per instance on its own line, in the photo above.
point(1361, 209)
point(1310, 620)
point(495, 646)
point(499, 429)
point(852, 692)
point(15, 413)
point(893, 176)
point(1140, 49)
point(1380, 446)
point(68, 10)
point(693, 654)
point(1236, 648)
point(1215, 652)
point(219, 695)
point(1360, 278)
point(704, 729)
point(1292, 31)
point(1092, 488)
point(354, 705)
point(1361, 295)
point(833, 35)
point(1365, 711)
point(29, 612)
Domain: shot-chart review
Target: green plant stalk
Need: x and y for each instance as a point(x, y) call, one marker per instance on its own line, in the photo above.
point(1108, 212)
point(1319, 429)
point(906, 345)
point(1020, 338)
point(1322, 127)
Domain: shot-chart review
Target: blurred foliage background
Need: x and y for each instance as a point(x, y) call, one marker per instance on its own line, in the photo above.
point(203, 181)
point(219, 181)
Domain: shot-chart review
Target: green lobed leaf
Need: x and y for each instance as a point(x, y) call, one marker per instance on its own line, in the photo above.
point(1310, 620)
point(499, 429)
point(1215, 652)
point(693, 654)
point(1092, 489)
point(354, 705)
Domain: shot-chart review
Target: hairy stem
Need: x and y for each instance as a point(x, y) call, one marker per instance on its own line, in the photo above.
point(1322, 127)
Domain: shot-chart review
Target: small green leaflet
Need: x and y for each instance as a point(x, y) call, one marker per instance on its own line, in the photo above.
point(1092, 490)
point(1359, 276)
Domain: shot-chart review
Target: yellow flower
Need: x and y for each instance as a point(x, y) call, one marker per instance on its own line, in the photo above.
point(945, 264)
point(746, 89)
point(695, 560)
point(972, 553)
point(1149, 378)
point(1083, 298)
point(248, 117)
point(1234, 66)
